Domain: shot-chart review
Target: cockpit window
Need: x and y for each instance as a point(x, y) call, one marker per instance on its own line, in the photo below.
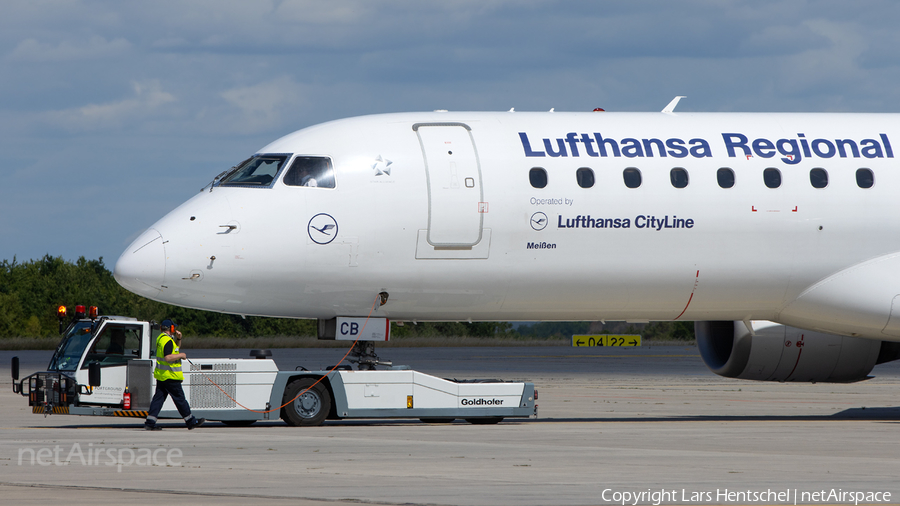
point(310, 171)
point(259, 170)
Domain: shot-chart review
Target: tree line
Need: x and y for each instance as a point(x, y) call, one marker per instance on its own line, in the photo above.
point(30, 293)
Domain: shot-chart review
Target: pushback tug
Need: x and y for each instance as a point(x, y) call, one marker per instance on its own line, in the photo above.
point(103, 366)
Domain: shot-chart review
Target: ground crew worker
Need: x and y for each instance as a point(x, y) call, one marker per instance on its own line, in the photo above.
point(169, 376)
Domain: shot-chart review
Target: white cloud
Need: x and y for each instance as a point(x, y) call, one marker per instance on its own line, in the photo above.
point(32, 50)
point(148, 97)
point(832, 65)
point(262, 106)
point(782, 39)
point(318, 12)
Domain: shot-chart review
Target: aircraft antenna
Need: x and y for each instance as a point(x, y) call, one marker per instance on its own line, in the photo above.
point(671, 107)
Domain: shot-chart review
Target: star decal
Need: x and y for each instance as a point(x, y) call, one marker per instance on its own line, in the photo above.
point(382, 166)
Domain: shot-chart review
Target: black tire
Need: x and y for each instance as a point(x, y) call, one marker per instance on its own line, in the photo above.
point(238, 423)
point(309, 409)
point(487, 420)
point(437, 420)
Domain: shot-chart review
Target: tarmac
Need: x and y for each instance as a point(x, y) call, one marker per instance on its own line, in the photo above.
point(643, 425)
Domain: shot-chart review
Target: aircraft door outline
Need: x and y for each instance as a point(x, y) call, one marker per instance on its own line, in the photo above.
point(454, 184)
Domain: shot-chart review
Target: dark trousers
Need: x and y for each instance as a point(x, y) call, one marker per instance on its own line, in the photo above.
point(163, 390)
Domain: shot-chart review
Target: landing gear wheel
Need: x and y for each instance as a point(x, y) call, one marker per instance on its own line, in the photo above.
point(238, 423)
point(437, 420)
point(487, 420)
point(309, 409)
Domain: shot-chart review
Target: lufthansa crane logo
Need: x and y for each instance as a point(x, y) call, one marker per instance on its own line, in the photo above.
point(322, 228)
point(539, 221)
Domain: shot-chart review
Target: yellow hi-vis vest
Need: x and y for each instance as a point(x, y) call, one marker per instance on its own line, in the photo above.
point(166, 370)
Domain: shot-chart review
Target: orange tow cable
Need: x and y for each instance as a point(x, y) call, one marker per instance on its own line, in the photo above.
point(309, 387)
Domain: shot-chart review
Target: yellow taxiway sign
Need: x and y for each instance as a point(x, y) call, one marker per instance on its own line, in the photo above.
point(607, 340)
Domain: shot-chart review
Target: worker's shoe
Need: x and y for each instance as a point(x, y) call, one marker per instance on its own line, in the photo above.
point(147, 426)
point(196, 423)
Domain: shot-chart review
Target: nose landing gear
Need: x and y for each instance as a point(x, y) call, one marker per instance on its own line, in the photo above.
point(363, 355)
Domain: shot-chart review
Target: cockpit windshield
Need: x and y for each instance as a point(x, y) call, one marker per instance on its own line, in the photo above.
point(259, 170)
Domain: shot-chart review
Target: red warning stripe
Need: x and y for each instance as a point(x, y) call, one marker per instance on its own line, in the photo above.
point(696, 280)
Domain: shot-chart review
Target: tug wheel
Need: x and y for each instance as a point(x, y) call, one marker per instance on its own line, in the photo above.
point(309, 409)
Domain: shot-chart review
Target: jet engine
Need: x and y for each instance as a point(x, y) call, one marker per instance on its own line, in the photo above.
point(775, 352)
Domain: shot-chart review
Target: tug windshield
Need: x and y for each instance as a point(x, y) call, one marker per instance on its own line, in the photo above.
point(70, 349)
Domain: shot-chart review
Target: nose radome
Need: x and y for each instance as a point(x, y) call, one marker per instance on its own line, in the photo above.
point(142, 267)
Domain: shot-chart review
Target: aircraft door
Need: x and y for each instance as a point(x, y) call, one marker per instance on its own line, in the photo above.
point(453, 176)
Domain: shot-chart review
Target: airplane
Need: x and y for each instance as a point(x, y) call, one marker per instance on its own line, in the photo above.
point(776, 233)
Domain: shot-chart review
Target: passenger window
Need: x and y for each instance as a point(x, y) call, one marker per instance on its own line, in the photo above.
point(865, 178)
point(258, 171)
point(818, 178)
point(585, 177)
point(632, 177)
point(725, 177)
point(311, 171)
point(679, 177)
point(538, 177)
point(772, 177)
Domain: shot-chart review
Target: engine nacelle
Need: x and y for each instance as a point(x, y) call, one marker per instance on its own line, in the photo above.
point(780, 353)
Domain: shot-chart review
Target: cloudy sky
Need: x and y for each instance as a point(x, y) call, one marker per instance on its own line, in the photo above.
point(113, 113)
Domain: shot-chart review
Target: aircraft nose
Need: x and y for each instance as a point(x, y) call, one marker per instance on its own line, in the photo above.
point(142, 267)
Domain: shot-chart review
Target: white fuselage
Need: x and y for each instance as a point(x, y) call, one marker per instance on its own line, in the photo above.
point(437, 210)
